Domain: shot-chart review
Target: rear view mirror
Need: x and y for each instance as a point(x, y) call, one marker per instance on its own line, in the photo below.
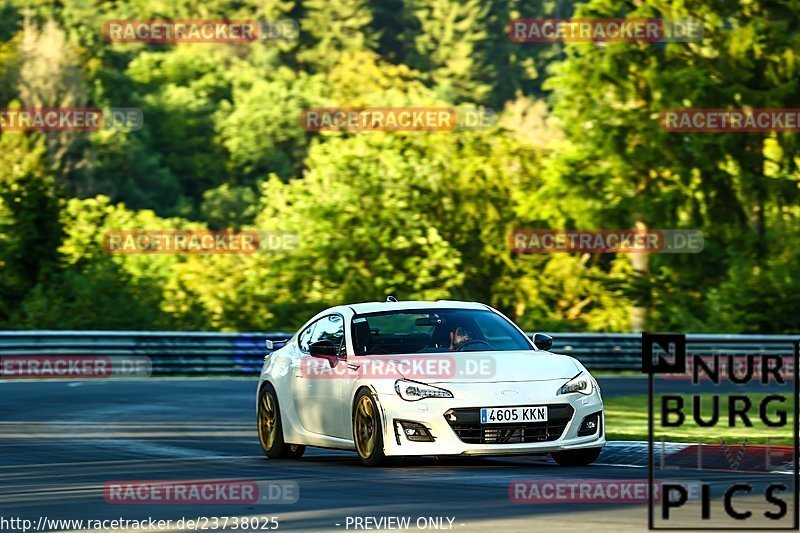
point(542, 341)
point(429, 321)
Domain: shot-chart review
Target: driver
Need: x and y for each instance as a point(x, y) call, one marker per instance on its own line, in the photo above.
point(458, 337)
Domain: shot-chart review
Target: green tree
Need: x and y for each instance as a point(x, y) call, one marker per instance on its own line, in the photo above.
point(331, 28)
point(419, 216)
point(229, 207)
point(180, 92)
point(450, 45)
point(609, 96)
point(260, 126)
point(30, 232)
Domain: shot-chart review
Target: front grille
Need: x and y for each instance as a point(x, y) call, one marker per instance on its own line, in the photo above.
point(466, 423)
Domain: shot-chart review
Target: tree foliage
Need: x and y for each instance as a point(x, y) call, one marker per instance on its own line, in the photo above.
point(420, 215)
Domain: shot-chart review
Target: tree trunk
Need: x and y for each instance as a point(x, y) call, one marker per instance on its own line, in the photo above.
point(641, 265)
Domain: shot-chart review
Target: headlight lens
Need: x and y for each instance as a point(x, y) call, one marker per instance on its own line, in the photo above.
point(581, 383)
point(412, 391)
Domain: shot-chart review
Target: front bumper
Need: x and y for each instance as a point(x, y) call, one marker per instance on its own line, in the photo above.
point(460, 433)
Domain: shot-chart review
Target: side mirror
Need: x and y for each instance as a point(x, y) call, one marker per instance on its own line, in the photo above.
point(542, 341)
point(324, 348)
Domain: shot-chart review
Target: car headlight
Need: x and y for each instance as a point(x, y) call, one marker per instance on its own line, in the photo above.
point(581, 383)
point(412, 391)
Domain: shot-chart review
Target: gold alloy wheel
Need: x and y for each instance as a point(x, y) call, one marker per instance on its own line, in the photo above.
point(267, 419)
point(366, 426)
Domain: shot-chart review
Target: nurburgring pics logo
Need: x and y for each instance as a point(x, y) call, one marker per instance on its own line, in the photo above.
point(548, 241)
point(738, 366)
point(70, 118)
point(549, 30)
point(199, 31)
point(730, 120)
point(767, 507)
point(397, 118)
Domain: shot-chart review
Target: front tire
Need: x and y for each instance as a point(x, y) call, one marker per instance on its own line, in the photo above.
point(582, 457)
point(367, 430)
point(270, 430)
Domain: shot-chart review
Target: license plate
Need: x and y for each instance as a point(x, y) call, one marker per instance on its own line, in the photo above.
point(511, 415)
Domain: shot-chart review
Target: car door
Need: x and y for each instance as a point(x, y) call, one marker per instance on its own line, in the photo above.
point(317, 383)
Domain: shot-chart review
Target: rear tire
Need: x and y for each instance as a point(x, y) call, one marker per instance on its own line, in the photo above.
point(367, 430)
point(270, 430)
point(582, 457)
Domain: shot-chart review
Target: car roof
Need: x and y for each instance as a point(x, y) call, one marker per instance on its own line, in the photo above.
point(377, 307)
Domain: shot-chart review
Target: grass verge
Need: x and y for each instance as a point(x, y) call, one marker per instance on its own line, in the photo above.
point(626, 419)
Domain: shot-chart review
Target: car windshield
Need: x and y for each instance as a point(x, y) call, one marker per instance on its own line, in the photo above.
point(435, 330)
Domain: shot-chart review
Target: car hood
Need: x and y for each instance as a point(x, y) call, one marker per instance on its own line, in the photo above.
point(482, 367)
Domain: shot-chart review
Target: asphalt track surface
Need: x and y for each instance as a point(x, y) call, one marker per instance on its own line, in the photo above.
point(62, 441)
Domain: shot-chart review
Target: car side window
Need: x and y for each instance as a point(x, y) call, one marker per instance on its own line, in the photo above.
point(330, 328)
point(305, 337)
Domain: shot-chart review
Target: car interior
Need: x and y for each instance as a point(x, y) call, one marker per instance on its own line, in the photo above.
point(430, 334)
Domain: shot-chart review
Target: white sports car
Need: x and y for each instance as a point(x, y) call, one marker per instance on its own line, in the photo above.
point(426, 378)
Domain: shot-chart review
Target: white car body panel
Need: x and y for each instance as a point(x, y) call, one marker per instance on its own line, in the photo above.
point(318, 412)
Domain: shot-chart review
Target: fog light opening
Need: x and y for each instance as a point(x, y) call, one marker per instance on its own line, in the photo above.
point(590, 425)
point(415, 432)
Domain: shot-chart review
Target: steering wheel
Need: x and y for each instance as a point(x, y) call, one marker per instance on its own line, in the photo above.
point(474, 343)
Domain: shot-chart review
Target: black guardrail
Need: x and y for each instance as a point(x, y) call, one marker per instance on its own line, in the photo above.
point(187, 353)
